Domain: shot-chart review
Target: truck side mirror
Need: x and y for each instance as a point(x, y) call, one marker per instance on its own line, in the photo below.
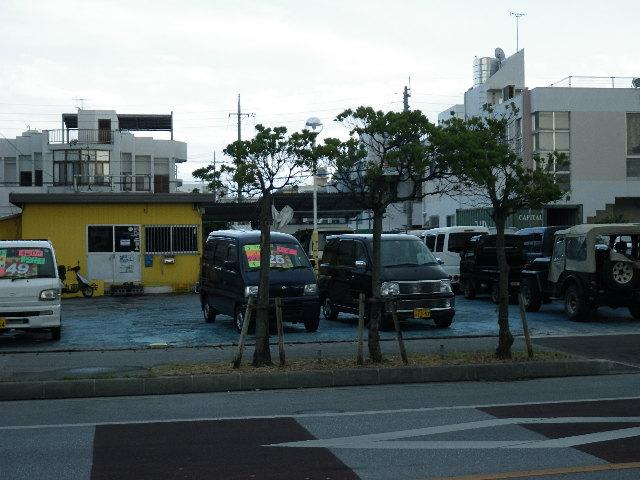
point(440, 261)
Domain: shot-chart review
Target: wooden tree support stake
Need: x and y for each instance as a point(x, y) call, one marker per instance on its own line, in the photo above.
point(525, 326)
point(360, 355)
point(243, 333)
point(280, 331)
point(396, 324)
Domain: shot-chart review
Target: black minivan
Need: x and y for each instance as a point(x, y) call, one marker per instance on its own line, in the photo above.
point(410, 273)
point(230, 270)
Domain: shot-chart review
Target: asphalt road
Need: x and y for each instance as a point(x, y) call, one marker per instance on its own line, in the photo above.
point(571, 428)
point(135, 322)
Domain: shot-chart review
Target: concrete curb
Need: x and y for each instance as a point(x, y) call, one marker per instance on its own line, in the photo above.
point(109, 387)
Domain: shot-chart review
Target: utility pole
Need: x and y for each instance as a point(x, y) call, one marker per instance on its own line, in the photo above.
point(517, 15)
point(239, 114)
point(408, 204)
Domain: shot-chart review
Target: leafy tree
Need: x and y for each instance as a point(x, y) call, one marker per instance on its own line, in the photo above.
point(268, 162)
point(385, 160)
point(485, 166)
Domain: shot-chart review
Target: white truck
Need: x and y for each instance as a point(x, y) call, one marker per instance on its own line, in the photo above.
point(30, 287)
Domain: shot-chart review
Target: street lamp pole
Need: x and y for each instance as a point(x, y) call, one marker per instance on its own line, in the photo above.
point(315, 123)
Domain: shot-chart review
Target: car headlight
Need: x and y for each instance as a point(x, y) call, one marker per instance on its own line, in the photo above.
point(445, 286)
point(251, 291)
point(389, 289)
point(50, 294)
point(311, 289)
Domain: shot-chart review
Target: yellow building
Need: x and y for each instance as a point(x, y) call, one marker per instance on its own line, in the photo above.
point(151, 240)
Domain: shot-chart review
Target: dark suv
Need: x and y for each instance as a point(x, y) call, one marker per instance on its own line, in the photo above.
point(479, 270)
point(410, 273)
point(230, 270)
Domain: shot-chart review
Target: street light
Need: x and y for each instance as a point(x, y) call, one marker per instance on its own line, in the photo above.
point(315, 123)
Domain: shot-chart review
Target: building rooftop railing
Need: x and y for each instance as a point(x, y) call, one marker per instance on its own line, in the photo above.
point(82, 136)
point(588, 81)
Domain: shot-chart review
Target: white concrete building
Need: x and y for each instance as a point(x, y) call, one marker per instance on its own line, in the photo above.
point(594, 120)
point(93, 151)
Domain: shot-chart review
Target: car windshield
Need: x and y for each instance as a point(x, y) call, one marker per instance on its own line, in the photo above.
point(405, 252)
point(283, 256)
point(26, 263)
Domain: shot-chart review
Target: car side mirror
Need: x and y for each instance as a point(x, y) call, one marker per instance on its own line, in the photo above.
point(361, 264)
point(231, 265)
point(440, 261)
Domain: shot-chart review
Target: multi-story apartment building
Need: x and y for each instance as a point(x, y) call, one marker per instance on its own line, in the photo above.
point(595, 121)
point(94, 150)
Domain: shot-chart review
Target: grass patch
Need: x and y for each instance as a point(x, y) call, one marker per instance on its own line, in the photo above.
point(426, 360)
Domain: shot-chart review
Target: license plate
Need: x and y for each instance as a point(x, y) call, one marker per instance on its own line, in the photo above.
point(3, 322)
point(421, 313)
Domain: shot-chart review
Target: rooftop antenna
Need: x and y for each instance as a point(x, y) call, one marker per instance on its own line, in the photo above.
point(81, 100)
point(517, 15)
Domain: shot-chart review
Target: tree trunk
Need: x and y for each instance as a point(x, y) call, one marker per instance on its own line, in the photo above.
point(505, 339)
point(376, 306)
point(262, 352)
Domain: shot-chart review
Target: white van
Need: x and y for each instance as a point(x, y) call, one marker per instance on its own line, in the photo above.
point(30, 287)
point(446, 244)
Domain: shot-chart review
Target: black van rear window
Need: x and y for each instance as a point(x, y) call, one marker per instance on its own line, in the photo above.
point(26, 263)
point(283, 255)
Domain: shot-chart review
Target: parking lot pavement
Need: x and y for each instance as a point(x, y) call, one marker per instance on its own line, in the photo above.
point(137, 322)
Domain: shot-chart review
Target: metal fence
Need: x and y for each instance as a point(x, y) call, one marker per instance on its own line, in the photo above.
point(81, 136)
point(585, 81)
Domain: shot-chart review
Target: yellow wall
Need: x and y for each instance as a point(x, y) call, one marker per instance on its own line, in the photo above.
point(65, 225)
point(10, 228)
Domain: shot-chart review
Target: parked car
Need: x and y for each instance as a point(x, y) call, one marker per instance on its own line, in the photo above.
point(590, 266)
point(304, 237)
point(410, 272)
point(29, 287)
point(230, 270)
point(447, 243)
point(479, 272)
point(538, 241)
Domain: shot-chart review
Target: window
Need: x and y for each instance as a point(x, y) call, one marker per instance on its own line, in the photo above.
point(558, 249)
point(405, 253)
point(329, 254)
point(221, 253)
point(434, 221)
point(26, 263)
point(552, 133)
point(361, 252)
point(25, 179)
point(38, 175)
point(100, 238)
point(633, 145)
point(170, 239)
point(86, 167)
point(430, 242)
point(577, 248)
point(126, 172)
point(10, 171)
point(346, 253)
point(532, 243)
point(440, 242)
point(451, 220)
point(37, 168)
point(143, 173)
point(283, 256)
point(161, 175)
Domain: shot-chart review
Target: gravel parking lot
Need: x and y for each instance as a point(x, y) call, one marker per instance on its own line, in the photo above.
point(137, 322)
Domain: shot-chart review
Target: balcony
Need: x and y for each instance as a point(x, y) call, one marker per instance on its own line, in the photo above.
point(81, 136)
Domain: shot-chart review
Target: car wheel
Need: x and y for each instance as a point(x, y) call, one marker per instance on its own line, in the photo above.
point(495, 293)
point(311, 324)
point(634, 310)
point(238, 319)
point(56, 333)
point(575, 305)
point(443, 322)
point(468, 290)
point(329, 310)
point(622, 273)
point(209, 313)
point(530, 295)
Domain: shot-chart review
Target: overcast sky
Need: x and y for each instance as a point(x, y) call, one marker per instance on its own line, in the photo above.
point(290, 59)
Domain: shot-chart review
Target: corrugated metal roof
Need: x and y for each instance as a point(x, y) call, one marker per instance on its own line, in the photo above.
point(20, 199)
